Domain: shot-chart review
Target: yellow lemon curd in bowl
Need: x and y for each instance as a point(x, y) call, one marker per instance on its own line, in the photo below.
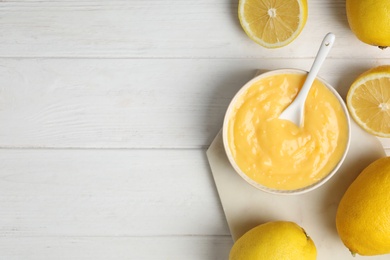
point(277, 154)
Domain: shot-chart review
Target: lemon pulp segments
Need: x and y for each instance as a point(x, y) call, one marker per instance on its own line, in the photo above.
point(368, 101)
point(273, 23)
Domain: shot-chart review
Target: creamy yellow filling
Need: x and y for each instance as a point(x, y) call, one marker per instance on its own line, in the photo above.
point(275, 152)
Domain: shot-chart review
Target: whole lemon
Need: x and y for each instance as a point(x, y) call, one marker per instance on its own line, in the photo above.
point(363, 215)
point(274, 240)
point(369, 20)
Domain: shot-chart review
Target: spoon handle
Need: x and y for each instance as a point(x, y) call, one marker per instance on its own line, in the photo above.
point(323, 51)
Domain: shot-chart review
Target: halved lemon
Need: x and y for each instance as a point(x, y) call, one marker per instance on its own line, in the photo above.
point(368, 101)
point(272, 23)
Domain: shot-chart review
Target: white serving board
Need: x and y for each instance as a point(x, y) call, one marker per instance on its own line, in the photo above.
point(246, 207)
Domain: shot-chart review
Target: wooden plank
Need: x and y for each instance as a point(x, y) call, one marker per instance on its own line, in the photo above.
point(121, 103)
point(108, 193)
point(118, 248)
point(150, 28)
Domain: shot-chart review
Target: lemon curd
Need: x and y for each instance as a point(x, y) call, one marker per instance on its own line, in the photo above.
point(276, 153)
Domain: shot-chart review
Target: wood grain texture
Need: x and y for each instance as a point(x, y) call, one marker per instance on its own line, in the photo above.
point(132, 103)
point(150, 28)
point(107, 108)
point(118, 248)
point(108, 193)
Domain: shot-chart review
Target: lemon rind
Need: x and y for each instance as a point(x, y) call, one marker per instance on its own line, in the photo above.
point(301, 25)
point(360, 81)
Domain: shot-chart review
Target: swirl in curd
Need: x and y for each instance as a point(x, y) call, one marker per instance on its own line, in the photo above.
point(276, 153)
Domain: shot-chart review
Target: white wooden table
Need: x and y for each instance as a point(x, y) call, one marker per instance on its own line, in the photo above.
point(107, 109)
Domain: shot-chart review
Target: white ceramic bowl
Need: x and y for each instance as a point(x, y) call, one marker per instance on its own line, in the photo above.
point(231, 158)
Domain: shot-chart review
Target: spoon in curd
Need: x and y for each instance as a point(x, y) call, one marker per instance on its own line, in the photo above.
point(295, 111)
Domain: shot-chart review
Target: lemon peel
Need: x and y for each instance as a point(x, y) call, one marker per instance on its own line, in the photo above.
point(368, 101)
point(273, 23)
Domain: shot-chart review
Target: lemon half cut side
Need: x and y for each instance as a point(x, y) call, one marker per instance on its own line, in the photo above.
point(272, 23)
point(368, 101)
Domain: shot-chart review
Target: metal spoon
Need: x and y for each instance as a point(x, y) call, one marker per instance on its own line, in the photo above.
point(295, 111)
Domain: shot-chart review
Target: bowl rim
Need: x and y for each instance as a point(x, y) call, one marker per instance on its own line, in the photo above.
point(258, 185)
